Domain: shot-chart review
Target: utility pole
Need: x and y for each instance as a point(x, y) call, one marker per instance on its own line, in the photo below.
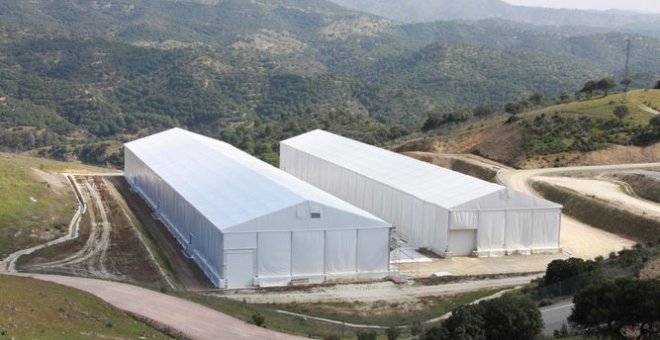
point(626, 74)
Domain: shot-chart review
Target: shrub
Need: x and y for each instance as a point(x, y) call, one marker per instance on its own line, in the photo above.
point(364, 335)
point(258, 319)
point(393, 333)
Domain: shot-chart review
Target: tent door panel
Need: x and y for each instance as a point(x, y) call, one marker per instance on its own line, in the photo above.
point(462, 242)
point(240, 268)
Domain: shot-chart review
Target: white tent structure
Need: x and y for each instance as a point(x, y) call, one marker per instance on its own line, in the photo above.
point(247, 223)
point(430, 207)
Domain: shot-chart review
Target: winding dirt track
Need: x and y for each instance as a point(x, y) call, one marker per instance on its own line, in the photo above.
point(577, 238)
point(191, 319)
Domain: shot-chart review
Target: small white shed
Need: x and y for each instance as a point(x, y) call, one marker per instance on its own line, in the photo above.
point(247, 223)
point(431, 207)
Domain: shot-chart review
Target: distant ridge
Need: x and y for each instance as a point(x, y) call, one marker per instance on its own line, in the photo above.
point(412, 11)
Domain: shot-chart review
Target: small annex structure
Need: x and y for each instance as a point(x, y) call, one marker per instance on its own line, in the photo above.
point(247, 223)
point(430, 207)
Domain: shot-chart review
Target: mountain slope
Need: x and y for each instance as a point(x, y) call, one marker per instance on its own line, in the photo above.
point(410, 11)
point(76, 76)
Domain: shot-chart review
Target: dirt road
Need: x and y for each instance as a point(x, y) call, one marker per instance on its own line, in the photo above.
point(606, 190)
point(373, 292)
point(8, 264)
point(109, 247)
point(191, 319)
point(649, 110)
point(577, 238)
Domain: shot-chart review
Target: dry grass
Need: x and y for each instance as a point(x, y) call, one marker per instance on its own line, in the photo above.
point(32, 309)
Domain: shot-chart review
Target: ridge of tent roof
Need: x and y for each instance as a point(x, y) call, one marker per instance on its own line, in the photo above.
point(199, 167)
point(434, 184)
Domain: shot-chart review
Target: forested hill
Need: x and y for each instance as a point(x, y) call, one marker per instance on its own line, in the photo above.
point(412, 11)
point(77, 73)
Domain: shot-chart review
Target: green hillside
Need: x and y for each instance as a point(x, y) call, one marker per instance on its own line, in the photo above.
point(557, 135)
point(42, 310)
point(36, 204)
point(256, 72)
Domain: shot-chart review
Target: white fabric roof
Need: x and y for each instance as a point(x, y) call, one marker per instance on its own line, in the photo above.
point(429, 182)
point(225, 184)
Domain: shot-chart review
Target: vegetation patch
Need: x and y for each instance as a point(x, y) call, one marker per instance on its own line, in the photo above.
point(35, 205)
point(384, 313)
point(33, 309)
point(600, 214)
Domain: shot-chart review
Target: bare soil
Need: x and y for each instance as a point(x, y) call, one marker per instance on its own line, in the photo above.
point(107, 246)
point(185, 269)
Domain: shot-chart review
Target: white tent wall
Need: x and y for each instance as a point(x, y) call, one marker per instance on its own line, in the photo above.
point(422, 225)
point(315, 256)
point(509, 222)
point(199, 237)
point(246, 223)
point(429, 206)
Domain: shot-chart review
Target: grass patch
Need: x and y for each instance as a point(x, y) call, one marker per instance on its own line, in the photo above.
point(33, 309)
point(384, 313)
point(272, 319)
point(32, 211)
point(34, 208)
point(602, 107)
point(600, 214)
point(388, 315)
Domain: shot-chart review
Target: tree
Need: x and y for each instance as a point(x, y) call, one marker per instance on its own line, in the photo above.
point(655, 121)
point(508, 317)
point(537, 98)
point(589, 88)
point(622, 304)
point(484, 110)
point(514, 108)
point(657, 85)
point(393, 333)
point(364, 335)
point(621, 111)
point(605, 85)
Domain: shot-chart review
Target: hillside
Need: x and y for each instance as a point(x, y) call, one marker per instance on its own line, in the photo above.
point(36, 204)
point(256, 72)
point(41, 310)
point(411, 11)
point(580, 132)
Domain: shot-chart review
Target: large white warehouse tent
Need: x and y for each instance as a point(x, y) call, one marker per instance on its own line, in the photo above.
point(430, 207)
point(247, 223)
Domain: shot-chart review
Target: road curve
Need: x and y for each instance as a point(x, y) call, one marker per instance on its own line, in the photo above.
point(191, 319)
point(577, 238)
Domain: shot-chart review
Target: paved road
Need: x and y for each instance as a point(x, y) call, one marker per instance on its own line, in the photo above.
point(191, 319)
point(554, 316)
